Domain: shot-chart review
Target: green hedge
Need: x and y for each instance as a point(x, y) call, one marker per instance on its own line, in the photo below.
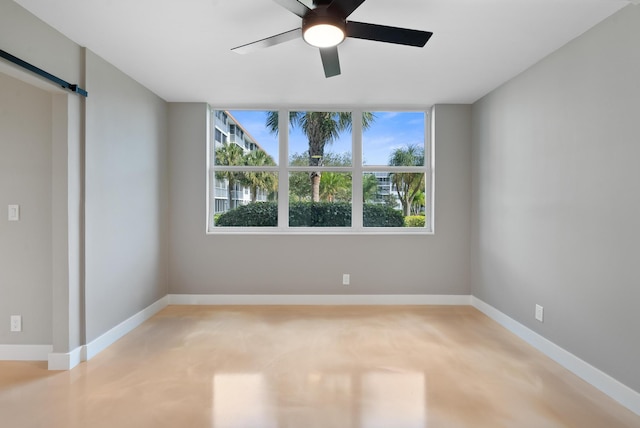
point(258, 214)
point(309, 214)
point(320, 214)
point(376, 215)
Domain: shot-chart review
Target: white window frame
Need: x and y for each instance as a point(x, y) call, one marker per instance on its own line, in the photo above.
point(357, 171)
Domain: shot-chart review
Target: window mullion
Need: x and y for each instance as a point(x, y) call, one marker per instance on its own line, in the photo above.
point(430, 167)
point(283, 170)
point(210, 201)
point(356, 179)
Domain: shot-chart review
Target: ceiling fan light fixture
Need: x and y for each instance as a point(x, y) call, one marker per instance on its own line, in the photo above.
point(323, 29)
point(323, 35)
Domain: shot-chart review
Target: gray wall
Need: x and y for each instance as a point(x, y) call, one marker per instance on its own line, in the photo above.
point(556, 197)
point(126, 197)
point(27, 37)
point(298, 264)
point(114, 147)
point(25, 179)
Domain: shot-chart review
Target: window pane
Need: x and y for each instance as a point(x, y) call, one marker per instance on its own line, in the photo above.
point(393, 199)
point(394, 138)
point(319, 138)
point(333, 206)
point(245, 199)
point(238, 133)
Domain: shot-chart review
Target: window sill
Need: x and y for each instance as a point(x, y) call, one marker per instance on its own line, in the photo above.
point(319, 231)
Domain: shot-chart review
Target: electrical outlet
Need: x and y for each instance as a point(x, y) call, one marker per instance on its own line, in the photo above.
point(16, 323)
point(539, 313)
point(346, 279)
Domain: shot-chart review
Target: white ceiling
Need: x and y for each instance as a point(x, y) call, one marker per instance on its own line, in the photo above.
point(180, 49)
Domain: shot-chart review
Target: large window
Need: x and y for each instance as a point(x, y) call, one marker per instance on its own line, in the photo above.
point(320, 171)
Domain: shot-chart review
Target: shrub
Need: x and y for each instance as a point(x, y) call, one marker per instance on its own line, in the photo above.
point(376, 215)
point(414, 221)
point(257, 214)
point(309, 214)
point(320, 214)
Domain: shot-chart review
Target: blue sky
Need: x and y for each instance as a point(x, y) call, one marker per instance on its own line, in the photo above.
point(389, 131)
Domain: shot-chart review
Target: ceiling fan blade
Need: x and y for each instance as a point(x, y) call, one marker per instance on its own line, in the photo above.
point(382, 33)
point(294, 6)
point(344, 8)
point(330, 61)
point(269, 41)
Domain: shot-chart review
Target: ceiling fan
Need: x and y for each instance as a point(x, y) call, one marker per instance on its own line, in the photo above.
point(325, 26)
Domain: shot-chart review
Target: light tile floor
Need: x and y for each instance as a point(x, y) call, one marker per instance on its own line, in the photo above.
point(307, 367)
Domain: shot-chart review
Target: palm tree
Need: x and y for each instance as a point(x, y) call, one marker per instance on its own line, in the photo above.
point(335, 185)
point(229, 154)
point(418, 203)
point(321, 128)
point(369, 187)
point(407, 184)
point(255, 180)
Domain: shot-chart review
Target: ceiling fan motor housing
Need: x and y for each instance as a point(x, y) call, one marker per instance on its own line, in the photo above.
point(320, 16)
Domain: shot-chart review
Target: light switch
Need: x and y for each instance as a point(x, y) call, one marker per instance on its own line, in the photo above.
point(14, 212)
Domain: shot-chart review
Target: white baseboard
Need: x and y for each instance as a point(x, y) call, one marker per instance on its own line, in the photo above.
point(318, 299)
point(67, 361)
point(24, 352)
point(102, 342)
point(602, 381)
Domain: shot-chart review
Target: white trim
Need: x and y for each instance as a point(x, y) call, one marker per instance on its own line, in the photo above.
point(318, 299)
point(102, 342)
point(602, 381)
point(67, 361)
point(320, 230)
point(24, 352)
